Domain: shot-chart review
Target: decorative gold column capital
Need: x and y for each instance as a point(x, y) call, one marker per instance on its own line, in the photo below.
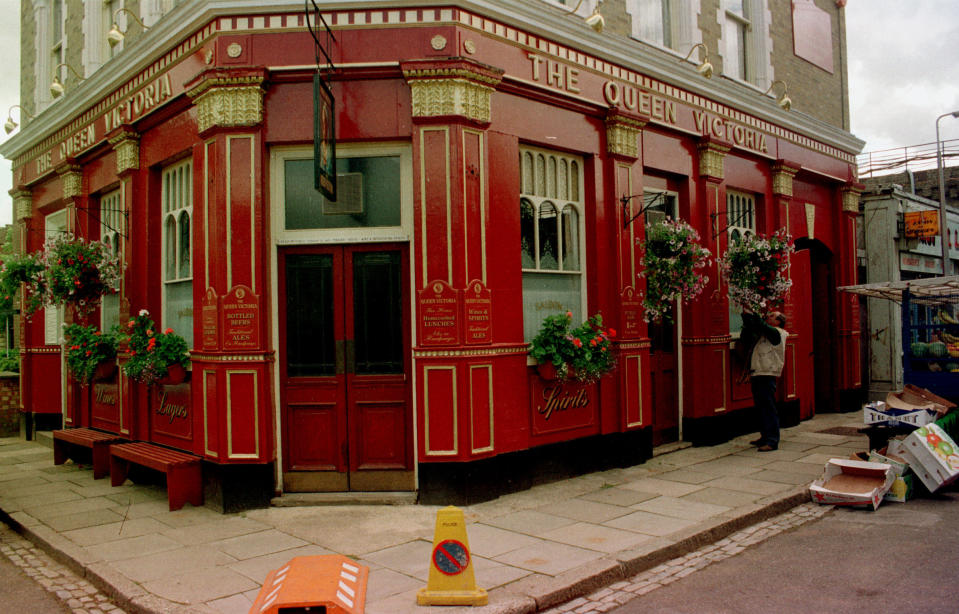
point(622, 135)
point(228, 98)
point(711, 158)
point(850, 197)
point(71, 174)
point(783, 178)
point(442, 88)
point(126, 144)
point(22, 204)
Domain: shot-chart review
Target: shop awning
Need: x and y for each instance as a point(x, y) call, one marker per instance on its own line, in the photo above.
point(926, 290)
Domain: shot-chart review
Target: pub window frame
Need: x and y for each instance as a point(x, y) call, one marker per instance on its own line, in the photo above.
point(176, 198)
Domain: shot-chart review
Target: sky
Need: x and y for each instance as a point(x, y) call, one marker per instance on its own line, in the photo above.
point(903, 59)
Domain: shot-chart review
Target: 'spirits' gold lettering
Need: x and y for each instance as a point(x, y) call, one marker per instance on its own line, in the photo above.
point(555, 398)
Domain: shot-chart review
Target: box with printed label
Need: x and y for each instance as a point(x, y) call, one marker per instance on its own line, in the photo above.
point(852, 483)
point(932, 456)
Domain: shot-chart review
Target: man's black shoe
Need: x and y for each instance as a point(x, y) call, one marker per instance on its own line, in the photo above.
point(756, 442)
point(766, 448)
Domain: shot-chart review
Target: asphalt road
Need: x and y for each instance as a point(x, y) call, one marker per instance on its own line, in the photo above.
point(902, 558)
point(21, 594)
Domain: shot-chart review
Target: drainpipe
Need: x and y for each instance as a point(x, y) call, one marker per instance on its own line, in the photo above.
point(912, 181)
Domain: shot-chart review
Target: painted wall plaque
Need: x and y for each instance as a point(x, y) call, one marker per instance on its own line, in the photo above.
point(562, 408)
point(241, 319)
point(439, 319)
point(171, 418)
point(477, 313)
point(209, 321)
point(632, 310)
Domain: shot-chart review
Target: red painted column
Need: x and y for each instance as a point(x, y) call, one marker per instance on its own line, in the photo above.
point(231, 376)
point(848, 312)
point(630, 387)
point(705, 335)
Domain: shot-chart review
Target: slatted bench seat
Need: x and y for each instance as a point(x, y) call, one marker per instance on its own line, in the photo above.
point(97, 441)
point(184, 477)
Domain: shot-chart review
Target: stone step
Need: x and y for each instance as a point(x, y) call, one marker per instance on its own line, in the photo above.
point(301, 499)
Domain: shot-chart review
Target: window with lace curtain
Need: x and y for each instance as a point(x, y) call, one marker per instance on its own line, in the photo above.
point(551, 236)
point(111, 227)
point(177, 199)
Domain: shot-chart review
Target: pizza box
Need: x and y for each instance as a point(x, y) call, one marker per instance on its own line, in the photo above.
point(932, 455)
point(852, 483)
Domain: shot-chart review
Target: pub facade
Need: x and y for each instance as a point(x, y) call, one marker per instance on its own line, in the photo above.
point(496, 163)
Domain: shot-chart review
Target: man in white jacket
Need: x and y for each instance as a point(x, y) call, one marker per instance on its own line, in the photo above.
point(766, 362)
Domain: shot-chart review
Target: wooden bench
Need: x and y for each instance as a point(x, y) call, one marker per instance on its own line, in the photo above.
point(97, 441)
point(184, 477)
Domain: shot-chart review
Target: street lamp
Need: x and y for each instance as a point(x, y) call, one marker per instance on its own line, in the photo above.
point(943, 220)
point(115, 36)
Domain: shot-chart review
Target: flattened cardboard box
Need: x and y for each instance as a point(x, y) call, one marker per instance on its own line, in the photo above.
point(932, 456)
point(852, 483)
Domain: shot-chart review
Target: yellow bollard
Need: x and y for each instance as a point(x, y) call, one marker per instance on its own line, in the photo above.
point(451, 581)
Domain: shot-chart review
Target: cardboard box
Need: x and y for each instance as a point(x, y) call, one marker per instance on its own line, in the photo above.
point(902, 489)
point(899, 465)
point(852, 483)
point(881, 413)
point(932, 455)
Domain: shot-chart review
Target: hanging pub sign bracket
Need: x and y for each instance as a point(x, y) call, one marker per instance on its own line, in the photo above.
point(628, 216)
point(324, 106)
point(715, 216)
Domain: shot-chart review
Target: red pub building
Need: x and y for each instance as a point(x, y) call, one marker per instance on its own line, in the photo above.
point(492, 161)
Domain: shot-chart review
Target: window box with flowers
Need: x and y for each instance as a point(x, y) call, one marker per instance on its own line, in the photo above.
point(673, 262)
point(563, 352)
point(152, 357)
point(755, 270)
point(78, 272)
point(91, 354)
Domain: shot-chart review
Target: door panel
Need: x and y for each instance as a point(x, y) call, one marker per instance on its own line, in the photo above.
point(664, 366)
point(344, 339)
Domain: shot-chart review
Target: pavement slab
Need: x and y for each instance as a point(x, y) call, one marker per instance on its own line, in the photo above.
point(550, 544)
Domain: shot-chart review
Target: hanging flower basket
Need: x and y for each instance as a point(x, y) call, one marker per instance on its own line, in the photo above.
point(21, 269)
point(755, 271)
point(150, 354)
point(673, 262)
point(90, 352)
point(105, 371)
point(175, 374)
point(563, 353)
point(78, 272)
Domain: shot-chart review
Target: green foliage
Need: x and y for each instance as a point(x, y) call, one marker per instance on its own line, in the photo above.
point(87, 347)
point(582, 352)
point(19, 269)
point(151, 354)
point(10, 360)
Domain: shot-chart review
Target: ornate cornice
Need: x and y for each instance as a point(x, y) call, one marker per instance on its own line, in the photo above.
point(622, 135)
point(711, 157)
point(713, 340)
point(783, 178)
point(228, 99)
point(459, 353)
point(72, 177)
point(22, 204)
point(445, 88)
point(126, 144)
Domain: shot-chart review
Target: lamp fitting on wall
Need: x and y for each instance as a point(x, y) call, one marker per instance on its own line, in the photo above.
point(56, 88)
point(115, 35)
point(595, 20)
point(10, 125)
point(704, 68)
point(784, 101)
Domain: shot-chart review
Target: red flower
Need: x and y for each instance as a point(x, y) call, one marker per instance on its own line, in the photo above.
point(612, 332)
point(577, 343)
point(168, 331)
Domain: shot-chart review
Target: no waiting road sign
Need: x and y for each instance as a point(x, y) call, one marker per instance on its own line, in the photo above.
point(451, 557)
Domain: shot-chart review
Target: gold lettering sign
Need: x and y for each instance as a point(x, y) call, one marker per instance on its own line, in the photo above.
point(556, 398)
point(171, 410)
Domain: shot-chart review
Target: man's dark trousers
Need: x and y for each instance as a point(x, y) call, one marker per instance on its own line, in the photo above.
point(764, 396)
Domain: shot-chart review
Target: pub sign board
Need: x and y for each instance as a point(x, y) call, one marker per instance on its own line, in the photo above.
point(324, 139)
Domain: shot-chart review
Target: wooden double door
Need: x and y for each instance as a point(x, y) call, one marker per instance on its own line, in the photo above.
point(344, 368)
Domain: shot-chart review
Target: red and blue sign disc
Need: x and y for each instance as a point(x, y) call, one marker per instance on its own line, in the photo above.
point(451, 557)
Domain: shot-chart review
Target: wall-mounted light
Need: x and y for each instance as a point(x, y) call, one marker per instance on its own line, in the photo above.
point(704, 68)
point(10, 125)
point(115, 35)
point(595, 20)
point(785, 102)
point(56, 88)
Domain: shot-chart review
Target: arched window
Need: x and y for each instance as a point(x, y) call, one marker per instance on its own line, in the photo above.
point(551, 237)
point(112, 224)
point(177, 201)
